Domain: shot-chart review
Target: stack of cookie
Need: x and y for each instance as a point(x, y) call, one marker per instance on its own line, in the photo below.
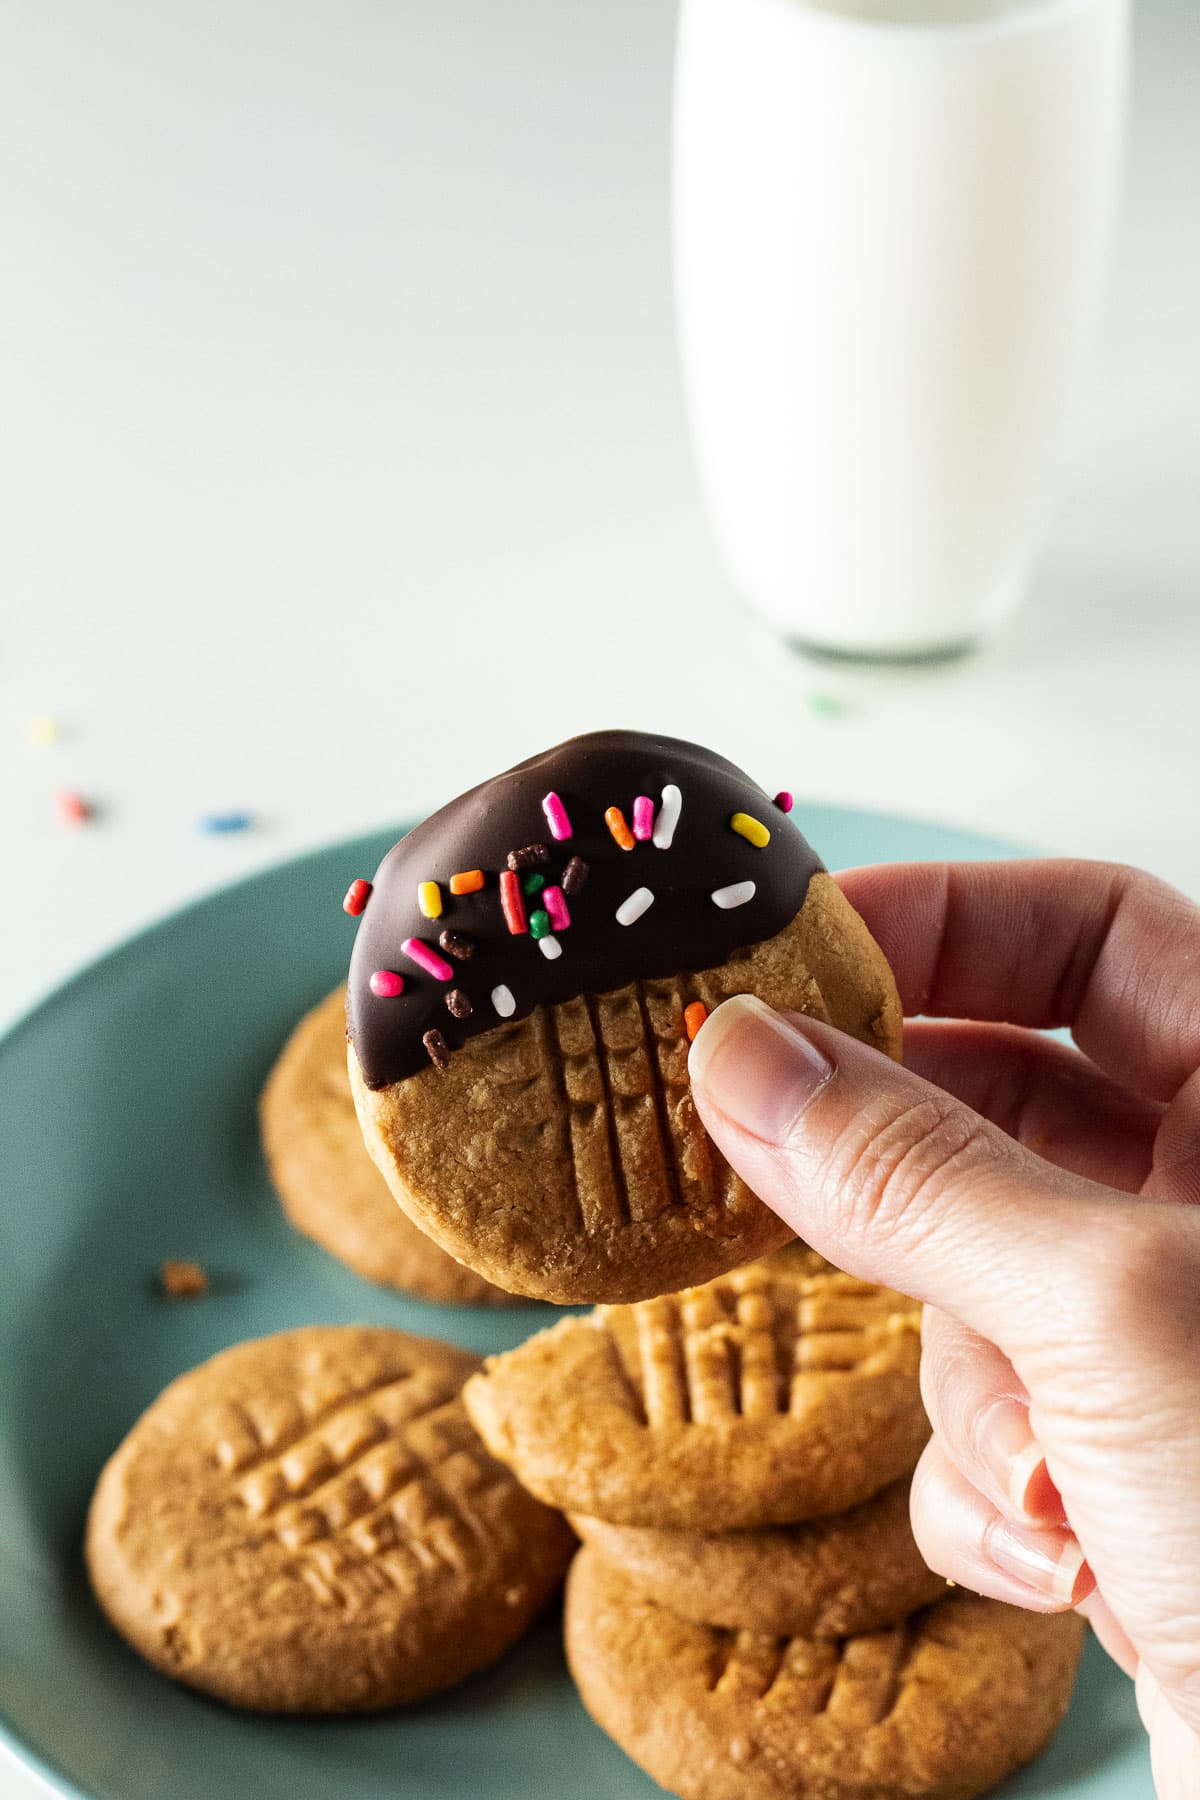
point(749, 1613)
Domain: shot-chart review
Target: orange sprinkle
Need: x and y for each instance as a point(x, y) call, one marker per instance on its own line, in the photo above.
point(614, 818)
point(693, 1018)
point(468, 882)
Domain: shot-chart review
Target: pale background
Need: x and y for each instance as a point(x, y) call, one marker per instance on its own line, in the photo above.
point(343, 460)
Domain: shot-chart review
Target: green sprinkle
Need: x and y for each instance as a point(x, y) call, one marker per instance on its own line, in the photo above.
point(825, 706)
point(533, 883)
point(539, 924)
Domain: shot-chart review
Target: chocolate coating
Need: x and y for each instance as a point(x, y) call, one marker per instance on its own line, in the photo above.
point(682, 930)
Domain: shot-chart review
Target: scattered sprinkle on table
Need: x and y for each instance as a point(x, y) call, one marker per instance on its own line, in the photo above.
point(71, 809)
point(220, 824)
point(42, 731)
point(183, 1280)
point(825, 706)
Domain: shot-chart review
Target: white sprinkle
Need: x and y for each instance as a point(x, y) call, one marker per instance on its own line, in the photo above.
point(737, 895)
point(549, 946)
point(503, 1001)
point(638, 902)
point(668, 817)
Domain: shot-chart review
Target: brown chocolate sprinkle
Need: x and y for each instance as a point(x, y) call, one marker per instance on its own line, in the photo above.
point(455, 945)
point(574, 876)
point(438, 1048)
point(458, 1003)
point(529, 856)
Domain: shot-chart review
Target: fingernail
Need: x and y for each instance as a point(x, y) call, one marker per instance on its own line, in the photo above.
point(756, 1068)
point(1006, 1445)
point(1050, 1561)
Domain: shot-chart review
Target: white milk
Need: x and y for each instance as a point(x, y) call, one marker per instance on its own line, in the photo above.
point(890, 224)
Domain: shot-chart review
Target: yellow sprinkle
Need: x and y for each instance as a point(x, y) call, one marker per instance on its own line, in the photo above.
point(429, 899)
point(752, 830)
point(42, 731)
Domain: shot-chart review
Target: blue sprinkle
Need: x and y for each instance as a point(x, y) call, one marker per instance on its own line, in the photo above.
point(215, 824)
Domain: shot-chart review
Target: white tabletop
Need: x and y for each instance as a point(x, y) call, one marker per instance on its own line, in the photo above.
point(344, 461)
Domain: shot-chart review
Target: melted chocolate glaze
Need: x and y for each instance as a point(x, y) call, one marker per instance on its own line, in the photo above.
point(682, 930)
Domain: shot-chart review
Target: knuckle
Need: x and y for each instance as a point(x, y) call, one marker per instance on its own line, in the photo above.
point(890, 1167)
point(1140, 1268)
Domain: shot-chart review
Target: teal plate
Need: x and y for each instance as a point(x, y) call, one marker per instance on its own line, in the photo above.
point(127, 1136)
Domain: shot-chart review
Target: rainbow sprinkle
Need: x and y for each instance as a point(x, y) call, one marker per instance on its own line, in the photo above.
point(643, 818)
point(467, 881)
point(556, 906)
point(503, 1001)
point(639, 902)
point(784, 801)
point(737, 894)
point(556, 817)
point(668, 817)
point(752, 829)
point(385, 984)
point(429, 899)
point(357, 895)
point(427, 959)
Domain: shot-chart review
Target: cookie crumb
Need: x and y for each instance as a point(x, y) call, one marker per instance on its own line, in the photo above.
point(183, 1280)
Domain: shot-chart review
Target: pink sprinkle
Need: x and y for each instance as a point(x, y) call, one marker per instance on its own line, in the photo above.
point(784, 801)
point(643, 817)
point(556, 905)
point(427, 959)
point(387, 984)
point(556, 817)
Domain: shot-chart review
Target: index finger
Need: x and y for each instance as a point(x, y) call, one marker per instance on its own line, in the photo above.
point(1107, 950)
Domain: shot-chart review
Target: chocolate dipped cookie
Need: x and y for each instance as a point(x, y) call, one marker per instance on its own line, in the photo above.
point(529, 969)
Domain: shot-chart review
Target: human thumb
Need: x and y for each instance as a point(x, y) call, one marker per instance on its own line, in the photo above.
point(890, 1177)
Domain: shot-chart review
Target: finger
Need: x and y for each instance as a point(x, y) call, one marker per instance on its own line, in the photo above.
point(1107, 950)
point(897, 1181)
point(1174, 1744)
point(1044, 1094)
point(1100, 1616)
point(979, 1410)
point(1175, 1174)
point(963, 1537)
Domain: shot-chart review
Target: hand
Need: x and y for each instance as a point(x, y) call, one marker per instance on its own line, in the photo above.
point(1042, 1201)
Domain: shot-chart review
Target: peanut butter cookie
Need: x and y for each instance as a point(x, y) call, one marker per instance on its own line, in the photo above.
point(765, 1397)
point(942, 1706)
point(831, 1577)
point(330, 1188)
point(529, 969)
point(309, 1524)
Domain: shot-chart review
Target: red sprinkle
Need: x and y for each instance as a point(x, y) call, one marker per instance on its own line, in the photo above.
point(784, 801)
point(357, 895)
point(72, 808)
point(512, 903)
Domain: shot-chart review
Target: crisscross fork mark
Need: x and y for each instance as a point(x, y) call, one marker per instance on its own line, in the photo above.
point(244, 1444)
point(374, 1433)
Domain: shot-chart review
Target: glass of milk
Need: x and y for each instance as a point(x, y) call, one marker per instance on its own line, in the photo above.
point(890, 224)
